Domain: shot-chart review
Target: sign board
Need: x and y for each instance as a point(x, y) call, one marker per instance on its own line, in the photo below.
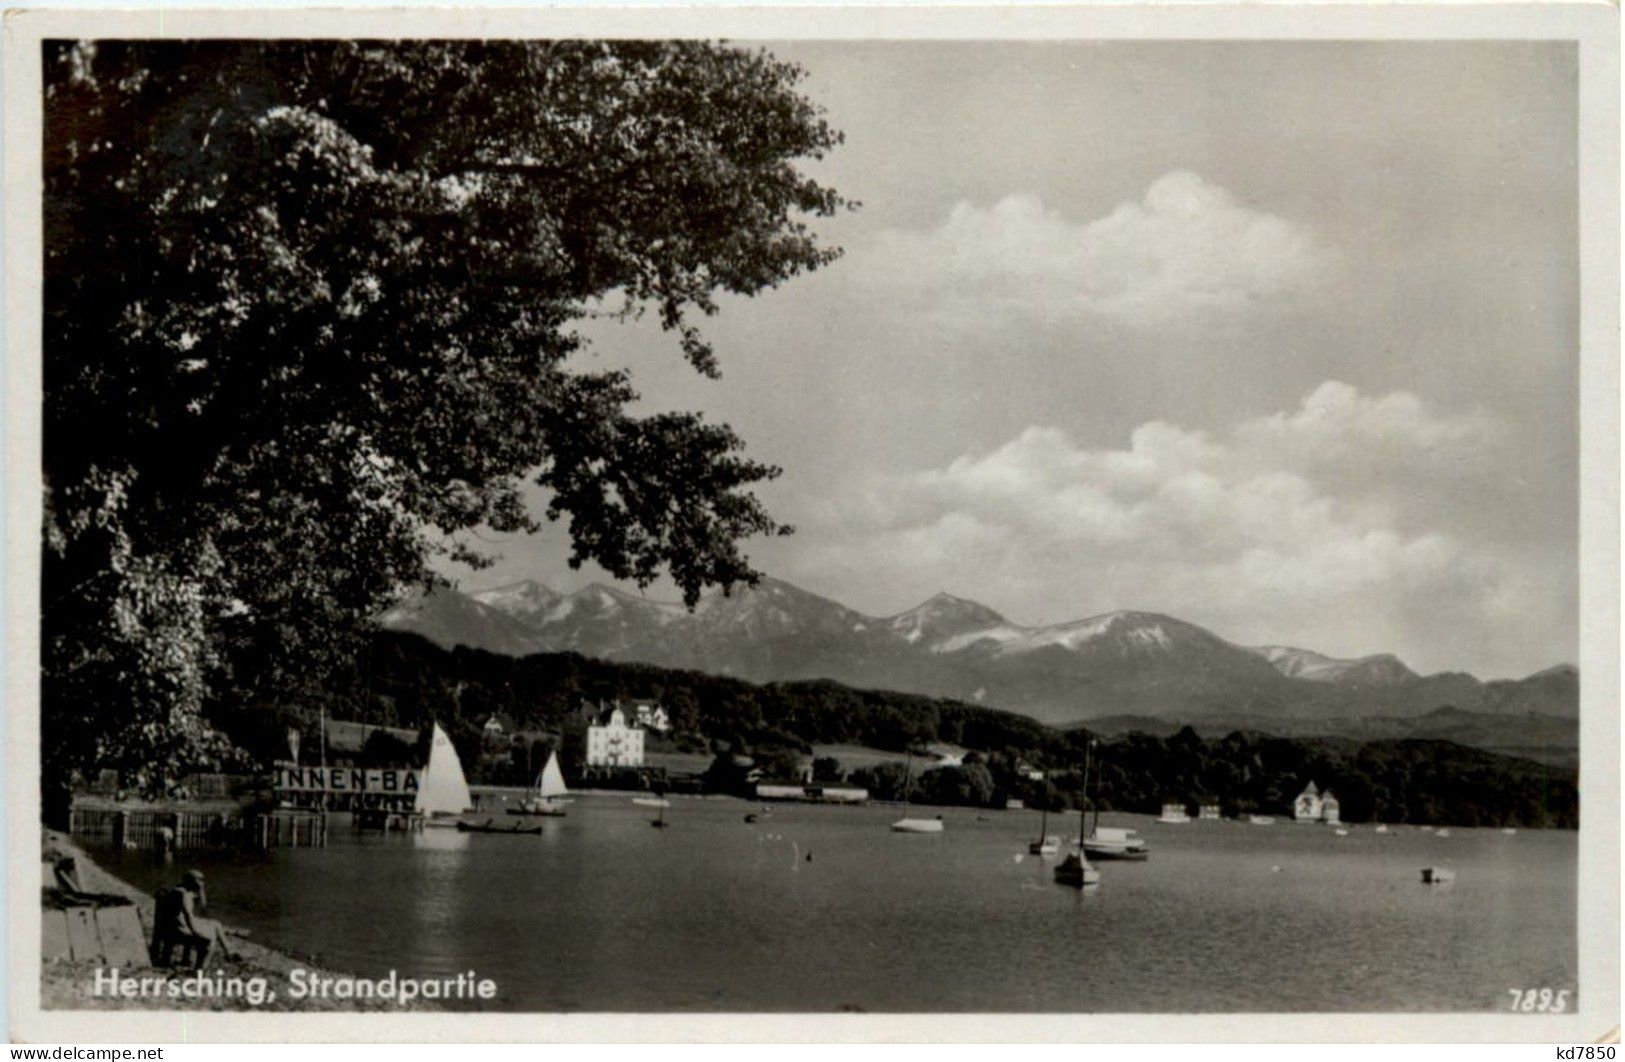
point(352, 787)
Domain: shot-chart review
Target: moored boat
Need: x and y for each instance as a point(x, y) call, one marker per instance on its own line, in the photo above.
point(918, 825)
point(1075, 870)
point(1261, 820)
point(1437, 876)
point(651, 802)
point(1107, 842)
point(1046, 843)
point(908, 824)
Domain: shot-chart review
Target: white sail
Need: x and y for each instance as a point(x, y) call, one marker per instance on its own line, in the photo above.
point(444, 790)
point(550, 783)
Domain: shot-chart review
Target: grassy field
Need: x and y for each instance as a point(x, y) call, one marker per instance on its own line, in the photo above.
point(677, 762)
point(856, 757)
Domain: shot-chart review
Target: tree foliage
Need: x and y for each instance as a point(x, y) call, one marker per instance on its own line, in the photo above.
point(310, 312)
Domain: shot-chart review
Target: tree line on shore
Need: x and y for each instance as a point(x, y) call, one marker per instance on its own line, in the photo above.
point(403, 680)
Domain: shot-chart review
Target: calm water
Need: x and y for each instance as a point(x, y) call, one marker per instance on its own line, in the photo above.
point(602, 912)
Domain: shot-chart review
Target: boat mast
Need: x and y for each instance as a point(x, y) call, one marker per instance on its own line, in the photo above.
point(1083, 809)
point(1096, 805)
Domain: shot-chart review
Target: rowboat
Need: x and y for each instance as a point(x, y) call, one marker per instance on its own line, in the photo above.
point(491, 826)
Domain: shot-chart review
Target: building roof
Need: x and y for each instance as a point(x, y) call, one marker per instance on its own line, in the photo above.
point(1310, 790)
point(601, 717)
point(502, 719)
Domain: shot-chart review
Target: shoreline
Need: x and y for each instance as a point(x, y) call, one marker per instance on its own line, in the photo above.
point(69, 985)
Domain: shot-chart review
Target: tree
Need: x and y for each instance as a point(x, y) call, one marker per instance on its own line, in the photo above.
point(827, 769)
point(310, 313)
point(885, 781)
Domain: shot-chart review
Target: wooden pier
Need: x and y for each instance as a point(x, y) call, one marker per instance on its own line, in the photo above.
point(145, 827)
point(385, 820)
point(292, 828)
point(157, 829)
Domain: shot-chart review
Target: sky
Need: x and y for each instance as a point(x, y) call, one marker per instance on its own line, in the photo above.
point(1277, 338)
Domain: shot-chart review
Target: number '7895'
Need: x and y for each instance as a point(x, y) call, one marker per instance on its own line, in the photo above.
point(1539, 1000)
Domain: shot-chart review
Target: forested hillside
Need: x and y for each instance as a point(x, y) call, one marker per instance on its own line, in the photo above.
point(404, 680)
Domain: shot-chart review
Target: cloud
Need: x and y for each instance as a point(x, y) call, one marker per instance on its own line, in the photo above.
point(1261, 532)
point(1187, 249)
point(1338, 427)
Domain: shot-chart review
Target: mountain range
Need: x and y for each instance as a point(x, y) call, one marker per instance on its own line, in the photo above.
point(1116, 664)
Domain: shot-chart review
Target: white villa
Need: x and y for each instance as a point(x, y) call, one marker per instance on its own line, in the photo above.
point(612, 741)
point(1313, 805)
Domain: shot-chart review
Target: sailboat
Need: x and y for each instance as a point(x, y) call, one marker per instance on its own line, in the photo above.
point(543, 797)
point(443, 794)
point(1047, 843)
point(1075, 870)
point(911, 825)
point(1108, 842)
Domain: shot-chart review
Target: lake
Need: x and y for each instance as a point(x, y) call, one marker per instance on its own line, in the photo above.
point(822, 908)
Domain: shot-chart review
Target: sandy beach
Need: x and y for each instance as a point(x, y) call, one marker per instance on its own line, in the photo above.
point(66, 985)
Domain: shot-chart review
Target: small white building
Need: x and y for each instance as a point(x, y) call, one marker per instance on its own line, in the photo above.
point(1172, 812)
point(1313, 805)
point(613, 742)
point(1208, 811)
point(1307, 807)
point(647, 713)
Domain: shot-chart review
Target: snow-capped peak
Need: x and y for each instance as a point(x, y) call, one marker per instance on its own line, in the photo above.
point(1377, 669)
point(942, 616)
point(525, 594)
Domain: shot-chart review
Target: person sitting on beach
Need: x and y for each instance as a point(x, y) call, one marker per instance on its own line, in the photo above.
point(66, 872)
point(177, 923)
